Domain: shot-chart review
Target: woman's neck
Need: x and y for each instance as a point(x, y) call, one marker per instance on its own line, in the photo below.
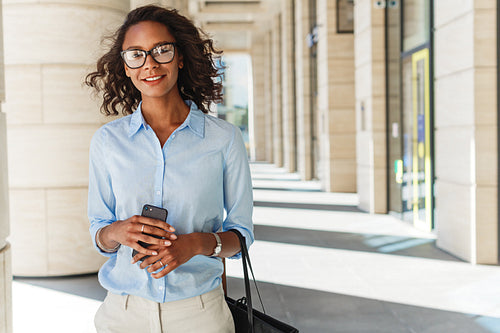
point(164, 112)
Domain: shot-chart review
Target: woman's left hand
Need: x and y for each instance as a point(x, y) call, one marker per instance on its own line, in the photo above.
point(168, 258)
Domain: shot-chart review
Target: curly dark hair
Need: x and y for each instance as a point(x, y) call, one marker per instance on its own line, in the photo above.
point(199, 80)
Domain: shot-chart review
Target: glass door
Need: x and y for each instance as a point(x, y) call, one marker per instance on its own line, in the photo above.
point(417, 172)
point(409, 114)
point(422, 182)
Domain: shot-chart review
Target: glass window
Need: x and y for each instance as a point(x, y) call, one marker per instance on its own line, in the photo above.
point(416, 23)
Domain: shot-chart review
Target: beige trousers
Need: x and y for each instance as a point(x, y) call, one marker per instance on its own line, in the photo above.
point(205, 313)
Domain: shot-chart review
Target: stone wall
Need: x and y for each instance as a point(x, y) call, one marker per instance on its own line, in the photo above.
point(336, 100)
point(49, 48)
point(369, 53)
point(466, 129)
point(303, 90)
point(5, 249)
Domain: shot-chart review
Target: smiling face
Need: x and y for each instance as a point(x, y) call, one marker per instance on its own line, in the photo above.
point(153, 80)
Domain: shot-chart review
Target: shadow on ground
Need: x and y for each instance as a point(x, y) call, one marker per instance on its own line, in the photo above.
point(387, 244)
point(317, 311)
point(313, 206)
point(313, 311)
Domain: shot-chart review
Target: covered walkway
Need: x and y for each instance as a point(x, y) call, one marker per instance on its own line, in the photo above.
point(322, 265)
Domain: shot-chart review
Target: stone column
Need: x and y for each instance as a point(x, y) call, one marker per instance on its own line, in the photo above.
point(336, 102)
point(303, 90)
point(466, 129)
point(288, 86)
point(369, 55)
point(257, 132)
point(5, 252)
point(268, 98)
point(276, 91)
point(49, 48)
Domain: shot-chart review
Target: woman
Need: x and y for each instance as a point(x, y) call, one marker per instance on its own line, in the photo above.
point(167, 153)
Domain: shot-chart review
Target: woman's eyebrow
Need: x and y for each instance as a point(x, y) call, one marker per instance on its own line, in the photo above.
point(163, 42)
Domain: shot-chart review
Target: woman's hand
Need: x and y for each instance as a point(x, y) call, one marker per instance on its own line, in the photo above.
point(171, 257)
point(134, 229)
point(184, 248)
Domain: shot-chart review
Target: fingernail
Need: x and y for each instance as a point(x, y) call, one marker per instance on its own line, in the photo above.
point(154, 253)
point(172, 229)
point(167, 243)
point(132, 261)
point(173, 236)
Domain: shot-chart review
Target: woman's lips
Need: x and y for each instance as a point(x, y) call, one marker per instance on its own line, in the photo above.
point(153, 79)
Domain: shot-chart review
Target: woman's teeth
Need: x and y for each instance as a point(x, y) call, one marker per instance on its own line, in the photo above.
point(153, 78)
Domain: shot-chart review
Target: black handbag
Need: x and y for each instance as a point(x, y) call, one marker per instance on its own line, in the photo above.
point(247, 319)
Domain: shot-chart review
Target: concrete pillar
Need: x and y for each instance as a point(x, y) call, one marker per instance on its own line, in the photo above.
point(466, 129)
point(49, 48)
point(5, 252)
point(369, 53)
point(336, 102)
point(276, 91)
point(303, 90)
point(5, 249)
point(258, 132)
point(268, 98)
point(288, 86)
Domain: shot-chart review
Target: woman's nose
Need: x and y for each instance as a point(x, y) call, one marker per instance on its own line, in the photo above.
point(150, 62)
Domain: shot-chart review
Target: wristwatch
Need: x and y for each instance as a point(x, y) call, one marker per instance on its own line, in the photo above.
point(218, 247)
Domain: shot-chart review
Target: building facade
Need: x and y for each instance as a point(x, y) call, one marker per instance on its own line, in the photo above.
point(397, 101)
point(394, 100)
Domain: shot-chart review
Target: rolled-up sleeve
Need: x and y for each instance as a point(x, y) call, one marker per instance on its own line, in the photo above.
point(101, 201)
point(238, 197)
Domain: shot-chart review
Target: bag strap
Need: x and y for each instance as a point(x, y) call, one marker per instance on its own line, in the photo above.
point(246, 262)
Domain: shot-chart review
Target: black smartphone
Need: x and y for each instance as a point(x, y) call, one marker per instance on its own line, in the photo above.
point(155, 213)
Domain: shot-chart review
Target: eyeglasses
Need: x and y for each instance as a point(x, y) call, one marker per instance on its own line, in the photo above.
point(162, 54)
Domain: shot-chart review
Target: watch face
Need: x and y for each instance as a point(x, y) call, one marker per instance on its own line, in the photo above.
point(218, 247)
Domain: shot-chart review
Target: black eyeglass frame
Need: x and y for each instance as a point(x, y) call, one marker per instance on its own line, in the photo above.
point(122, 54)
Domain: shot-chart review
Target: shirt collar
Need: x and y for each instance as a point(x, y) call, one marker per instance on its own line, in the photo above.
point(194, 121)
point(136, 121)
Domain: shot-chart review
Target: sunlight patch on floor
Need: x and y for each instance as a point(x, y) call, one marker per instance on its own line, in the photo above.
point(334, 221)
point(431, 283)
point(37, 309)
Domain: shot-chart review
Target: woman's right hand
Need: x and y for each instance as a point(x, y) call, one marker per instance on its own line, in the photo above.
point(134, 229)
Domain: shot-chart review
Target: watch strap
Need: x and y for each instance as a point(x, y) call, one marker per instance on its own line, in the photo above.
point(218, 246)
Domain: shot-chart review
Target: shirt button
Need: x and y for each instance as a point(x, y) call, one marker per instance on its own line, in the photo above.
point(158, 192)
point(173, 136)
point(161, 288)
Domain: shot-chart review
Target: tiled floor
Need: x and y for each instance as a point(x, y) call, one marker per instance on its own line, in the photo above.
point(322, 266)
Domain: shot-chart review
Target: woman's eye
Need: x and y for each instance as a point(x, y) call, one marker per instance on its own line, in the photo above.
point(134, 54)
point(163, 49)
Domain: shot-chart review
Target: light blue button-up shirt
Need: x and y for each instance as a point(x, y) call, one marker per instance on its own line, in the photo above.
point(200, 173)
